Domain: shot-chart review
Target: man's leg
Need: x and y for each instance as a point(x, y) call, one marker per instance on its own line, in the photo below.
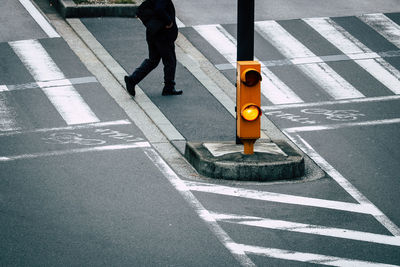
point(147, 65)
point(167, 52)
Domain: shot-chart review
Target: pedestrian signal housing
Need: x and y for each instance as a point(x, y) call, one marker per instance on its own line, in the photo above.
point(248, 102)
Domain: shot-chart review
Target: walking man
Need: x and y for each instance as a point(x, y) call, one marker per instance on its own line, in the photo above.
point(161, 33)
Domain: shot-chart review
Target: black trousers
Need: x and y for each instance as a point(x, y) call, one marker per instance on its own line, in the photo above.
point(158, 50)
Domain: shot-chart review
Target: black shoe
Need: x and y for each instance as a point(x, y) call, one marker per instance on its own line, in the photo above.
point(130, 86)
point(171, 92)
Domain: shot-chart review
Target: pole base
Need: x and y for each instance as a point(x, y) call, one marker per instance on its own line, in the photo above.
point(269, 162)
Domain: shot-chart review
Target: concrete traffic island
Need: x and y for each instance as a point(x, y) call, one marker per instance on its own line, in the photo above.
point(68, 9)
point(226, 160)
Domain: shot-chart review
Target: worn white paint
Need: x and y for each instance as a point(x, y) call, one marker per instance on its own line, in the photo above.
point(279, 198)
point(384, 26)
point(307, 228)
point(341, 125)
point(324, 103)
point(321, 73)
point(377, 67)
point(76, 151)
point(7, 116)
point(38, 17)
point(65, 98)
point(271, 86)
point(307, 257)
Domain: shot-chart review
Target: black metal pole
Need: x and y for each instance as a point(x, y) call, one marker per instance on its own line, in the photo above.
point(245, 30)
point(245, 35)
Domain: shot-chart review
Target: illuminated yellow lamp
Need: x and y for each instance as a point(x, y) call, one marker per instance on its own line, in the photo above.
point(251, 112)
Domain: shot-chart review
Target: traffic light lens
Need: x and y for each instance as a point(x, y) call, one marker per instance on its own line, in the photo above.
point(251, 77)
point(251, 113)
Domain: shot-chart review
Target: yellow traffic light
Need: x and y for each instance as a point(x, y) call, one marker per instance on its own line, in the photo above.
point(248, 102)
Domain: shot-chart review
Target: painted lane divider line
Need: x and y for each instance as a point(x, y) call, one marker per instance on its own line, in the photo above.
point(340, 126)
point(307, 228)
point(76, 151)
point(48, 84)
point(279, 198)
point(65, 99)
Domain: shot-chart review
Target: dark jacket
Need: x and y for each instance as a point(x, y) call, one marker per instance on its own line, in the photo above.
point(161, 15)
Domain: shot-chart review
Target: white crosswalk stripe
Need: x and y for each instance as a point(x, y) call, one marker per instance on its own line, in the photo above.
point(272, 87)
point(316, 67)
point(377, 67)
point(65, 98)
point(319, 72)
point(384, 26)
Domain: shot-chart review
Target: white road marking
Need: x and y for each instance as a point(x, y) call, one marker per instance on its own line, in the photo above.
point(377, 67)
point(70, 128)
point(46, 84)
point(307, 257)
point(279, 198)
point(179, 23)
point(384, 26)
point(307, 228)
point(336, 102)
point(321, 73)
point(271, 86)
point(76, 151)
point(65, 99)
point(38, 17)
point(3, 88)
point(7, 116)
point(341, 125)
point(204, 214)
point(346, 185)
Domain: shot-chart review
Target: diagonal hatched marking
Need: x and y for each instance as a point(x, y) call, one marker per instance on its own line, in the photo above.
point(307, 228)
point(280, 198)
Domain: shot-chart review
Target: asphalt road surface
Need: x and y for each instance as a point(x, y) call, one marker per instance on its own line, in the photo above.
point(86, 185)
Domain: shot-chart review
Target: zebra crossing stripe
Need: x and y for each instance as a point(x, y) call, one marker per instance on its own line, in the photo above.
point(65, 98)
point(319, 72)
point(38, 17)
point(7, 116)
point(377, 66)
point(307, 228)
point(271, 86)
point(384, 26)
